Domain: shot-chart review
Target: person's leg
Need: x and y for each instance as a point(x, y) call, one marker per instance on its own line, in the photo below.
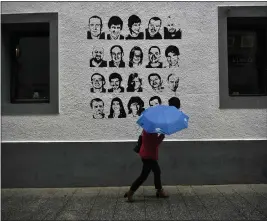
point(138, 182)
point(143, 176)
point(157, 174)
point(157, 180)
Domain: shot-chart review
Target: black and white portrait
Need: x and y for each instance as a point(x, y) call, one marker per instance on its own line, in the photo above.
point(173, 82)
point(154, 56)
point(116, 109)
point(115, 25)
point(116, 53)
point(97, 105)
point(154, 25)
point(134, 25)
point(155, 82)
point(155, 100)
point(95, 28)
point(172, 29)
point(172, 54)
point(135, 57)
point(134, 83)
point(115, 80)
point(97, 57)
point(98, 82)
point(135, 106)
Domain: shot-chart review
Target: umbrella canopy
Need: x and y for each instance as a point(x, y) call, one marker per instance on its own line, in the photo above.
point(163, 119)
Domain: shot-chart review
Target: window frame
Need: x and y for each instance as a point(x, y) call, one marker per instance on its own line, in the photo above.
point(52, 107)
point(226, 101)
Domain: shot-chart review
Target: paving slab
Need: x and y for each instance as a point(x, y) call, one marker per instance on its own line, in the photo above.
point(130, 211)
point(197, 209)
point(156, 208)
point(177, 204)
point(105, 204)
point(214, 202)
point(247, 209)
point(256, 199)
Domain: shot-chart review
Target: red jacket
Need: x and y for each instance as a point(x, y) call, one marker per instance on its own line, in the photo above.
point(150, 145)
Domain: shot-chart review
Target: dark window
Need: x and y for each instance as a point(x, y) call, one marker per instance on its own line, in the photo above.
point(247, 56)
point(29, 63)
point(29, 57)
point(242, 38)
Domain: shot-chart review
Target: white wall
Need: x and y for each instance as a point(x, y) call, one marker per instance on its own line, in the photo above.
point(198, 71)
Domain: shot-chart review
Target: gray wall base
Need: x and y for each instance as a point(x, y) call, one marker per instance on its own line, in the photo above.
point(115, 164)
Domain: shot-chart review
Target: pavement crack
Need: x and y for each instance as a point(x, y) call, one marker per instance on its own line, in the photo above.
point(201, 202)
point(89, 213)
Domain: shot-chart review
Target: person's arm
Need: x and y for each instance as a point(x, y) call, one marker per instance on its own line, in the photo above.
point(161, 138)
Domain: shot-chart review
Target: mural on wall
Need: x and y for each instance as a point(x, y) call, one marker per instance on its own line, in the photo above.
point(135, 106)
point(98, 82)
point(139, 70)
point(97, 58)
point(117, 109)
point(136, 57)
point(134, 25)
point(134, 83)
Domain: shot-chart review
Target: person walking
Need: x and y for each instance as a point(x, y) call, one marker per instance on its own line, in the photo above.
point(149, 156)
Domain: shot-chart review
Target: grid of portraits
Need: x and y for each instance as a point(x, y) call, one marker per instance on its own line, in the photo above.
point(115, 26)
point(122, 72)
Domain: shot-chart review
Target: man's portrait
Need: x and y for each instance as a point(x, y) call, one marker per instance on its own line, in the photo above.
point(154, 55)
point(115, 26)
point(155, 100)
point(98, 82)
point(97, 105)
point(95, 28)
point(116, 53)
point(115, 80)
point(134, 25)
point(155, 82)
point(172, 54)
point(173, 82)
point(152, 32)
point(172, 31)
point(97, 58)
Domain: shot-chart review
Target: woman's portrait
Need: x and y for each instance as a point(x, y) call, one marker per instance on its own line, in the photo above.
point(136, 57)
point(134, 83)
point(135, 106)
point(116, 109)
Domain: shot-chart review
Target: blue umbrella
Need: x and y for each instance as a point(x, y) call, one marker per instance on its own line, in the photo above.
point(163, 119)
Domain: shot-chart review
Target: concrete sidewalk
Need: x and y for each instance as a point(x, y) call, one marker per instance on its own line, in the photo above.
point(220, 202)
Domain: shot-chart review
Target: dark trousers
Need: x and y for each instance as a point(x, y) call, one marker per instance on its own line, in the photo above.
point(148, 165)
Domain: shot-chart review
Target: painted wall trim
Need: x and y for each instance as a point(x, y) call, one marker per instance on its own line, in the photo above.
point(121, 141)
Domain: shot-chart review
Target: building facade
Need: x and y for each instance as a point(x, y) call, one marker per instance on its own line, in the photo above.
point(107, 65)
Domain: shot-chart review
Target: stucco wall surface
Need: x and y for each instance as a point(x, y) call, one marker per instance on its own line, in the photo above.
point(198, 72)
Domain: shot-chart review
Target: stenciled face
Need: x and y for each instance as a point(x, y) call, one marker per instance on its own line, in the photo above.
point(171, 26)
point(116, 54)
point(172, 59)
point(95, 26)
point(173, 82)
point(115, 31)
point(97, 81)
point(154, 81)
point(98, 107)
point(134, 107)
point(116, 106)
point(154, 55)
point(137, 57)
point(136, 28)
point(98, 54)
point(115, 83)
point(136, 82)
point(154, 102)
point(153, 27)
